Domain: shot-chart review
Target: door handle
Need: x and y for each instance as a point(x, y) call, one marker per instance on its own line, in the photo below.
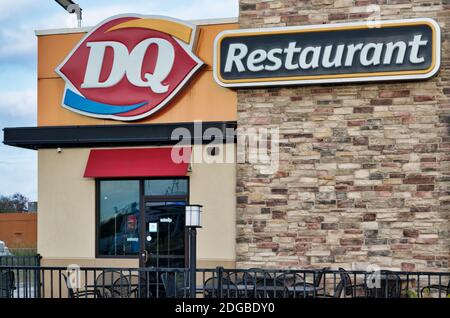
point(144, 255)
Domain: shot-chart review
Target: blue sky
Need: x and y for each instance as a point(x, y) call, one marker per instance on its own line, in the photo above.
point(18, 20)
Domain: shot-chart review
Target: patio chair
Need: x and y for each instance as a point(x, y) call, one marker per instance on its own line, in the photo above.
point(175, 284)
point(247, 280)
point(303, 288)
point(76, 293)
point(7, 284)
point(351, 289)
point(105, 282)
point(252, 275)
point(127, 286)
point(211, 288)
point(290, 279)
point(441, 290)
point(318, 277)
point(338, 290)
point(121, 287)
point(139, 288)
point(271, 288)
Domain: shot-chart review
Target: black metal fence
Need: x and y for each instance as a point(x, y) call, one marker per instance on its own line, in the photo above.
point(29, 260)
point(20, 282)
point(75, 282)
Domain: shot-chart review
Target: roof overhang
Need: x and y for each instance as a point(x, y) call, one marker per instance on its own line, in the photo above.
point(112, 135)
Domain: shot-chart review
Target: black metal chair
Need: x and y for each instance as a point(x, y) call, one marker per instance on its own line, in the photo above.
point(306, 289)
point(252, 275)
point(139, 286)
point(351, 289)
point(74, 292)
point(290, 279)
point(107, 284)
point(271, 288)
point(228, 288)
point(175, 284)
point(318, 277)
point(121, 287)
point(7, 283)
point(248, 281)
point(338, 290)
point(441, 290)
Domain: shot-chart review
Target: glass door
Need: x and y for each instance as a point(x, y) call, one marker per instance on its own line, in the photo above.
point(164, 234)
point(162, 231)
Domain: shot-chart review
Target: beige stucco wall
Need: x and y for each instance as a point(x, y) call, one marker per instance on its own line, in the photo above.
point(213, 186)
point(66, 223)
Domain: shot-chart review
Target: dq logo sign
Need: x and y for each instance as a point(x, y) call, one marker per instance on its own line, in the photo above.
point(129, 67)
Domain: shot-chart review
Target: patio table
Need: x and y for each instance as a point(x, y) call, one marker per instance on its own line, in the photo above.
point(132, 288)
point(250, 289)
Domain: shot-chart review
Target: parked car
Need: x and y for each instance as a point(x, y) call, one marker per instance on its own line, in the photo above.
point(4, 250)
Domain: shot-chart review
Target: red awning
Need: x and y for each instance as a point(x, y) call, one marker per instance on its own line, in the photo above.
point(138, 162)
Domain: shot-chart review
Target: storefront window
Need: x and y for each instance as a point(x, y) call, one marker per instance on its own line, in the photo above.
point(162, 187)
point(119, 218)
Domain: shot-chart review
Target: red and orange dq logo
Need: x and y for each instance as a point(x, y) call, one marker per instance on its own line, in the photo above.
point(129, 67)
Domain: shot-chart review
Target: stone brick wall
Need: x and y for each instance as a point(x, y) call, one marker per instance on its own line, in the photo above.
point(364, 168)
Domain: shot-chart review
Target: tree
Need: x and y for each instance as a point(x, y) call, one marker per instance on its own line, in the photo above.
point(14, 203)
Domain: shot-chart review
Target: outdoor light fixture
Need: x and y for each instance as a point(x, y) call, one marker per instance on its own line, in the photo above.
point(71, 7)
point(193, 215)
point(193, 221)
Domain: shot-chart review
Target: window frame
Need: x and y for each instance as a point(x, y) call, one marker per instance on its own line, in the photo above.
point(142, 198)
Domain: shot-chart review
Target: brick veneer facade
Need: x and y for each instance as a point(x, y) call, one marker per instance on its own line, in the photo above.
point(364, 171)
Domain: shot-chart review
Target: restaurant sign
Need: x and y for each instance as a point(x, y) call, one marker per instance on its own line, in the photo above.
point(333, 53)
point(129, 67)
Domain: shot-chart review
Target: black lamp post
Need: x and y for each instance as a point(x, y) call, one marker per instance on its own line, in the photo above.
point(193, 218)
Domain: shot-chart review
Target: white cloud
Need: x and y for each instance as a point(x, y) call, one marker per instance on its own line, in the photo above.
point(204, 9)
point(11, 8)
point(92, 16)
point(18, 103)
point(194, 9)
point(17, 42)
point(18, 168)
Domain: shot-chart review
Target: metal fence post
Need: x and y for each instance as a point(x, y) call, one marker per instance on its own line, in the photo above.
point(219, 282)
point(37, 276)
point(193, 260)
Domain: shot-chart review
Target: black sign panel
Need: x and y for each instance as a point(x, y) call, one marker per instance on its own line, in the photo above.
point(350, 52)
